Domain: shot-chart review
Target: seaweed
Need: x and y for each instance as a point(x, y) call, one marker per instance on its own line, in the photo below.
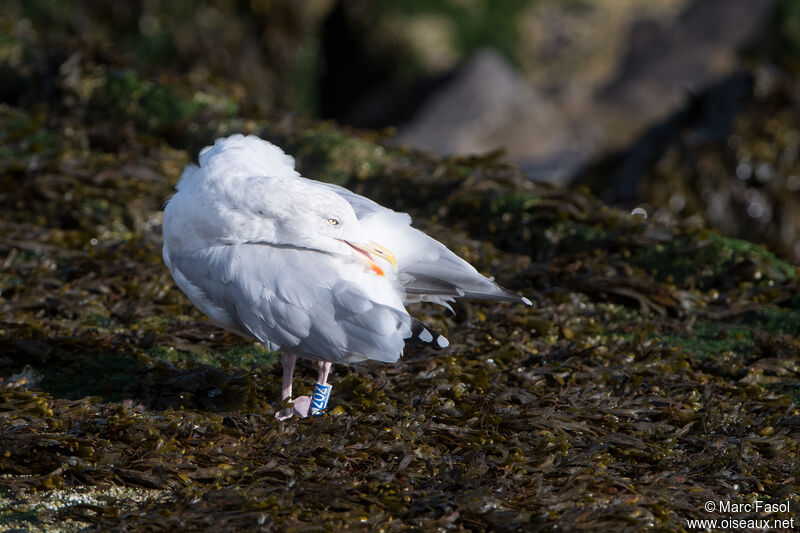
point(657, 370)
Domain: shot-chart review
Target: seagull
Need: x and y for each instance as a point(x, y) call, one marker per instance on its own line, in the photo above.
point(306, 267)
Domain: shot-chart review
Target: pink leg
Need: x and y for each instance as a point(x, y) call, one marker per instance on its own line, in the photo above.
point(324, 369)
point(301, 404)
point(287, 362)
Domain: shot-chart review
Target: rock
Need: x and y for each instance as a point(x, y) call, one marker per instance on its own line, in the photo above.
point(667, 59)
point(486, 105)
point(552, 128)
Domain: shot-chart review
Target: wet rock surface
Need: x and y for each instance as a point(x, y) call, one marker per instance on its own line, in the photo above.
point(657, 370)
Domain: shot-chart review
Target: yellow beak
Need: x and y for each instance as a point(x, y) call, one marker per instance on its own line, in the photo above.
point(365, 252)
point(383, 253)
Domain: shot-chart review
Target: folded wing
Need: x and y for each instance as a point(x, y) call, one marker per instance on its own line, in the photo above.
point(286, 299)
point(427, 269)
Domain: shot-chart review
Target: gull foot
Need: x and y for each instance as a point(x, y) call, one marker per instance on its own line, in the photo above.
point(300, 407)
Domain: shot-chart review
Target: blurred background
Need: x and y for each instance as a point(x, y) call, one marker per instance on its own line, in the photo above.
point(685, 109)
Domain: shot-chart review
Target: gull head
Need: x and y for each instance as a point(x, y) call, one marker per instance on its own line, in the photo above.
point(321, 220)
point(246, 191)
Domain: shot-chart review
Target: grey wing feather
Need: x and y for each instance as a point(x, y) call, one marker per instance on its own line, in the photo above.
point(362, 206)
point(428, 270)
point(438, 272)
point(312, 313)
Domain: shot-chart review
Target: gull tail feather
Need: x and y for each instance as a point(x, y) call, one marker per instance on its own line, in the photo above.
point(475, 286)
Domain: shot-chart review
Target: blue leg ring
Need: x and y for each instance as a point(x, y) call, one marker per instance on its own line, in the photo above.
point(319, 400)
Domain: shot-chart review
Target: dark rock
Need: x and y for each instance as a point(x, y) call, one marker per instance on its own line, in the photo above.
point(665, 60)
point(486, 105)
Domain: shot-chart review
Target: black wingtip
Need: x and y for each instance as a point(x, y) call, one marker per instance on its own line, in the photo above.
point(422, 335)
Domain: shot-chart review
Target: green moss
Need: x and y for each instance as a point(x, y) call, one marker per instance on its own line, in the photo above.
point(538, 224)
point(23, 135)
point(707, 259)
point(572, 237)
point(180, 358)
point(710, 339)
point(239, 357)
point(19, 518)
point(154, 108)
point(113, 377)
point(327, 154)
point(476, 25)
point(510, 204)
point(249, 357)
point(775, 320)
point(777, 269)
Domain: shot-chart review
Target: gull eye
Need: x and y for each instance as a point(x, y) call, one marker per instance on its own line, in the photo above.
point(333, 221)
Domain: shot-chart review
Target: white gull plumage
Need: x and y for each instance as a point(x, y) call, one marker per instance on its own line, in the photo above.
point(308, 267)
